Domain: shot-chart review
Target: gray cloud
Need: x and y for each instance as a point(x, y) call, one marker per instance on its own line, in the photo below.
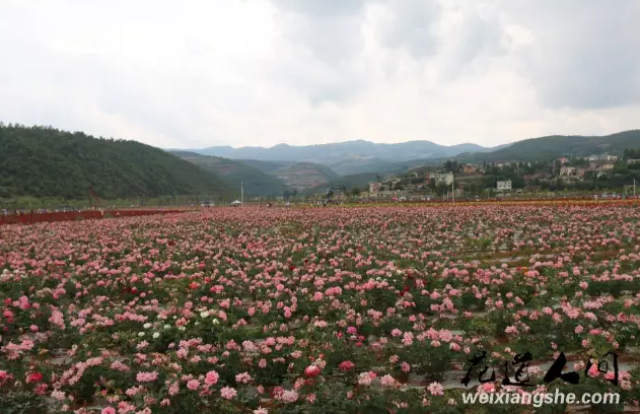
point(319, 8)
point(585, 54)
point(260, 72)
point(319, 43)
point(480, 36)
point(410, 24)
point(331, 31)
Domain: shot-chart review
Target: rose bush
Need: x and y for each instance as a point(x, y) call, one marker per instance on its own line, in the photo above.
point(354, 310)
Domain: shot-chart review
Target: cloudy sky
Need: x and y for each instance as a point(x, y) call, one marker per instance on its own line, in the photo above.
point(198, 73)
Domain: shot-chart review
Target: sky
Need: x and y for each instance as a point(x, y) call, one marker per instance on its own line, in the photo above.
point(199, 73)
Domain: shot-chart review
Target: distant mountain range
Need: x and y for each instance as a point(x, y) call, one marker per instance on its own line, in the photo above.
point(262, 178)
point(356, 157)
point(350, 157)
point(333, 153)
point(46, 162)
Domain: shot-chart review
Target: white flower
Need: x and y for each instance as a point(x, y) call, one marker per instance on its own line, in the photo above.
point(147, 325)
point(215, 321)
point(182, 328)
point(167, 326)
point(197, 323)
point(156, 335)
point(140, 334)
point(204, 314)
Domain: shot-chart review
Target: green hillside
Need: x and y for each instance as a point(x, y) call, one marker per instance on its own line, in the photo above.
point(46, 162)
point(304, 175)
point(232, 172)
point(268, 167)
point(533, 149)
point(546, 148)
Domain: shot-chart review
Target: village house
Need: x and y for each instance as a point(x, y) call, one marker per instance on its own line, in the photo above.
point(572, 172)
point(374, 188)
point(535, 176)
point(603, 157)
point(469, 169)
point(592, 166)
point(504, 186)
point(441, 178)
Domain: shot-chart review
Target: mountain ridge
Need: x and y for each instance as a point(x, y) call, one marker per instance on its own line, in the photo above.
point(361, 156)
point(46, 162)
point(336, 152)
point(554, 146)
point(235, 173)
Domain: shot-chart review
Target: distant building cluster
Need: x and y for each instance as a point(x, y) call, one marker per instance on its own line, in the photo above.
point(498, 177)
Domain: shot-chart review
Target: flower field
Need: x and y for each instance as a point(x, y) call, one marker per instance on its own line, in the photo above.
point(319, 310)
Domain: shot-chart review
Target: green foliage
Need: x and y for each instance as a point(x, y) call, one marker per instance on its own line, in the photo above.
point(46, 162)
point(547, 148)
point(267, 166)
point(232, 172)
point(20, 402)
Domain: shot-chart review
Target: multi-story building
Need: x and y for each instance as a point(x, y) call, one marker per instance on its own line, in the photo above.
point(504, 185)
point(572, 172)
point(441, 178)
point(603, 157)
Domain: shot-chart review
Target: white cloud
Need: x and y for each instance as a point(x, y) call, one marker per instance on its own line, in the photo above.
point(262, 72)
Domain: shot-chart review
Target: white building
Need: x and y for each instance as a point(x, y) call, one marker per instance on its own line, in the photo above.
point(603, 157)
point(442, 178)
point(374, 188)
point(504, 185)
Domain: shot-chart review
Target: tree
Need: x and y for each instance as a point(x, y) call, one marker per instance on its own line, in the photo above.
point(442, 188)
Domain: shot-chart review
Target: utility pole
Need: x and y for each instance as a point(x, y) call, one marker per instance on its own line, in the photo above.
point(242, 192)
point(453, 190)
point(634, 187)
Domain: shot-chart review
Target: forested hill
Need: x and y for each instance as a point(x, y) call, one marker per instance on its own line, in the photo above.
point(233, 173)
point(46, 162)
point(547, 148)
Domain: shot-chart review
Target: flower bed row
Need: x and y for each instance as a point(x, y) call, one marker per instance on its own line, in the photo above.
point(369, 310)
